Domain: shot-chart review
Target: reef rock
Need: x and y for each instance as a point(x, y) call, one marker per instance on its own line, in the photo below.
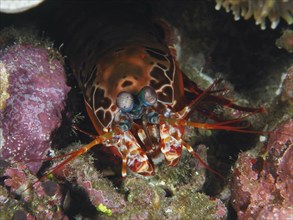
point(40, 200)
point(35, 93)
point(262, 183)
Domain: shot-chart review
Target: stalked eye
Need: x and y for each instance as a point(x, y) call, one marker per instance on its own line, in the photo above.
point(147, 96)
point(125, 101)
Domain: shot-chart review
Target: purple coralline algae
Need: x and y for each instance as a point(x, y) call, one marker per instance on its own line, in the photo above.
point(99, 190)
point(32, 109)
point(40, 200)
point(262, 183)
point(172, 193)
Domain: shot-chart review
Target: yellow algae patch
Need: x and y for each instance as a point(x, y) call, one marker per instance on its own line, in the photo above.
point(104, 209)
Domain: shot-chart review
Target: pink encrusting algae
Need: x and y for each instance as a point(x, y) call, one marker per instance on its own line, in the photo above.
point(262, 183)
point(40, 200)
point(37, 90)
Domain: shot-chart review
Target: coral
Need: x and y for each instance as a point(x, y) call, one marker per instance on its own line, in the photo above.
point(189, 173)
point(144, 199)
point(187, 205)
point(262, 181)
point(152, 199)
point(37, 90)
point(99, 190)
point(17, 6)
point(286, 41)
point(149, 201)
point(260, 10)
point(174, 191)
point(39, 200)
point(163, 196)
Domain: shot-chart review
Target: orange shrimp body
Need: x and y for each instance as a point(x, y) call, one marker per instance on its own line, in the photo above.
point(129, 69)
point(134, 92)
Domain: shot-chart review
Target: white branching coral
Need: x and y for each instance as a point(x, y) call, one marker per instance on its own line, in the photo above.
point(260, 10)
